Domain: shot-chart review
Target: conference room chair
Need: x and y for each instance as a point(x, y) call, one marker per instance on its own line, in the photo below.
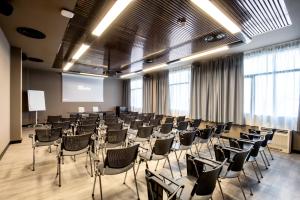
point(88, 121)
point(143, 135)
point(114, 126)
point(86, 129)
point(217, 133)
point(235, 166)
point(159, 117)
point(160, 151)
point(169, 120)
point(117, 161)
point(227, 127)
point(180, 119)
point(146, 119)
point(44, 137)
point(73, 145)
point(135, 124)
point(154, 122)
point(270, 142)
point(182, 126)
point(194, 124)
point(164, 131)
point(53, 118)
point(158, 188)
point(64, 125)
point(263, 147)
point(112, 120)
point(203, 136)
point(185, 143)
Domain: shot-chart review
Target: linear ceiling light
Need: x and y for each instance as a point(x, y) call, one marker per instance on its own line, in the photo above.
point(127, 75)
point(68, 66)
point(97, 75)
point(110, 16)
point(155, 67)
point(198, 55)
point(213, 11)
point(80, 51)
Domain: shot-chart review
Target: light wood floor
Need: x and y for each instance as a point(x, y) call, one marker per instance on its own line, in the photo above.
point(18, 181)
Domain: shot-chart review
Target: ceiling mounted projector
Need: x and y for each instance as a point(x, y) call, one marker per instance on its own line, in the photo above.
point(67, 13)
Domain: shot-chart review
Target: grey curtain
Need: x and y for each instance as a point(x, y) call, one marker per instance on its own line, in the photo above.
point(148, 95)
point(161, 93)
point(126, 93)
point(217, 89)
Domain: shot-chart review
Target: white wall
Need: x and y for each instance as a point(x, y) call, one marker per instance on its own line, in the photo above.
point(5, 91)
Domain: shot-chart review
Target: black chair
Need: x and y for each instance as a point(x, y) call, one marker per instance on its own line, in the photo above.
point(134, 125)
point(203, 137)
point(157, 187)
point(194, 125)
point(154, 122)
point(227, 127)
point(114, 138)
point(236, 163)
point(182, 126)
point(218, 131)
point(64, 125)
point(72, 146)
point(270, 141)
point(186, 140)
point(112, 120)
point(169, 120)
point(117, 161)
point(86, 129)
point(53, 118)
point(262, 149)
point(143, 135)
point(159, 117)
point(160, 151)
point(44, 137)
point(114, 126)
point(180, 119)
point(164, 131)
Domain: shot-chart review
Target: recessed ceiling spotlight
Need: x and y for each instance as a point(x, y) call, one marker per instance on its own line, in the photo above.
point(181, 21)
point(214, 37)
point(30, 32)
point(67, 13)
point(148, 60)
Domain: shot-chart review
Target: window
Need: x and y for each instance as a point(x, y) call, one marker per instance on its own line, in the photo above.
point(271, 86)
point(179, 88)
point(136, 94)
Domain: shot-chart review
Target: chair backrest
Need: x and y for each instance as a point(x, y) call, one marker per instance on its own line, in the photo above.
point(238, 160)
point(116, 136)
point(166, 128)
point(86, 129)
point(136, 124)
point(113, 120)
point(48, 135)
point(145, 131)
point(128, 119)
point(114, 126)
point(53, 118)
point(182, 126)
point(159, 117)
point(156, 188)
point(169, 120)
point(187, 138)
point(205, 133)
point(251, 130)
point(180, 119)
point(146, 119)
point(228, 126)
point(63, 125)
point(88, 121)
point(120, 158)
point(219, 129)
point(266, 139)
point(162, 146)
point(255, 149)
point(154, 122)
point(75, 142)
point(273, 133)
point(196, 123)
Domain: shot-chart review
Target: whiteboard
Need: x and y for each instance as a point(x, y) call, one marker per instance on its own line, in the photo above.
point(36, 100)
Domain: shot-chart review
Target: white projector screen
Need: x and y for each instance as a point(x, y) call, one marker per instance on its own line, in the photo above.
point(36, 100)
point(81, 88)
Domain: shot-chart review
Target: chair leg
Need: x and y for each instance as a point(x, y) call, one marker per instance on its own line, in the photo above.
point(258, 169)
point(137, 170)
point(91, 164)
point(209, 151)
point(59, 171)
point(197, 150)
point(270, 152)
point(50, 150)
point(100, 184)
point(262, 157)
point(221, 189)
point(126, 176)
point(137, 190)
point(33, 159)
point(178, 163)
point(180, 155)
point(95, 180)
point(266, 158)
point(255, 172)
point(250, 188)
point(156, 165)
point(170, 166)
point(241, 188)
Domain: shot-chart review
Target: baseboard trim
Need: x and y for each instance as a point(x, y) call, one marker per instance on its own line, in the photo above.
point(15, 142)
point(3, 152)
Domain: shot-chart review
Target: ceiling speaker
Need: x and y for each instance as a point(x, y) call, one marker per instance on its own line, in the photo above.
point(6, 8)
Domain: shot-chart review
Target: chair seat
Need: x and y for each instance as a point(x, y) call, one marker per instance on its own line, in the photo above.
point(251, 159)
point(162, 135)
point(113, 171)
point(110, 145)
point(178, 146)
point(200, 140)
point(138, 139)
point(40, 144)
point(73, 153)
point(132, 131)
point(229, 174)
point(147, 155)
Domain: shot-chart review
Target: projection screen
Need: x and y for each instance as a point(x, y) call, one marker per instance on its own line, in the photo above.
point(81, 88)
